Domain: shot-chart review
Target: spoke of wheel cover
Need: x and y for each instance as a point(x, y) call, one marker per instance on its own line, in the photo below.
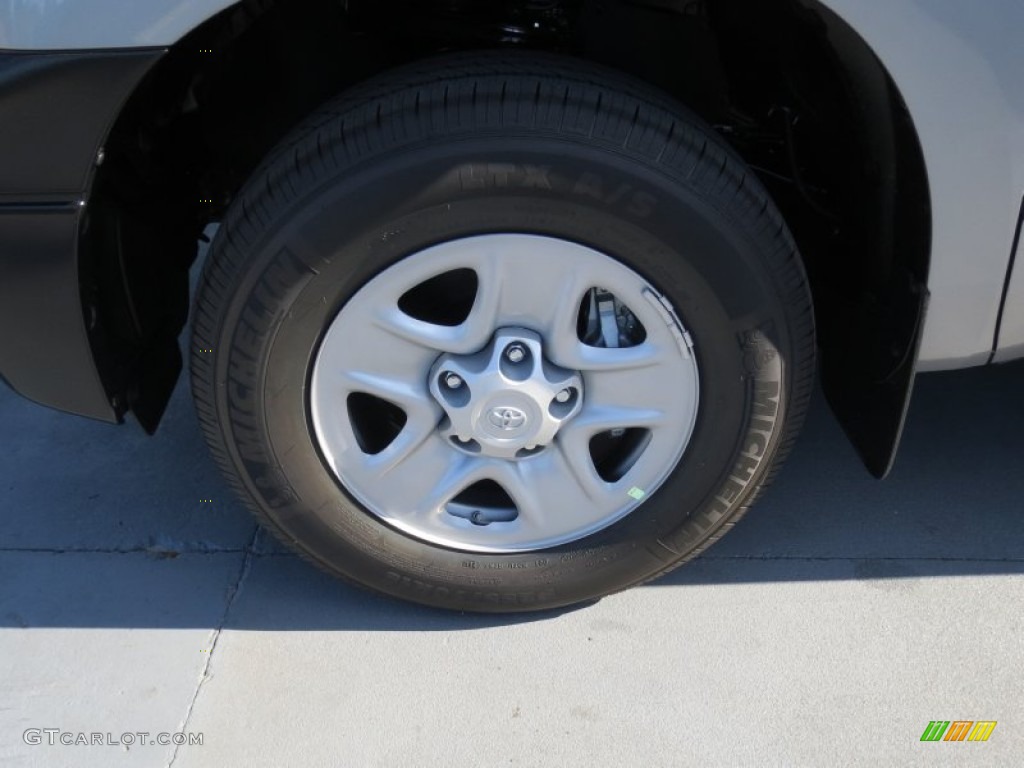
point(376, 348)
point(420, 427)
point(549, 491)
point(458, 339)
point(419, 477)
point(635, 385)
point(569, 352)
point(409, 395)
point(535, 290)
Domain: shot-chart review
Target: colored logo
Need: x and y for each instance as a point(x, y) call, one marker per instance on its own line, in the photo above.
point(958, 730)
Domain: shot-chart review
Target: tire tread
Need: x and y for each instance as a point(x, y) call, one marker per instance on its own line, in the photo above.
point(457, 95)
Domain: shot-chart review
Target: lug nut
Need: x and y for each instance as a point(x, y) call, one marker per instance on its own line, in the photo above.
point(564, 396)
point(452, 380)
point(515, 353)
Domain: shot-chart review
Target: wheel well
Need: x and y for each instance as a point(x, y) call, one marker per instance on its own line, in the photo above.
point(790, 85)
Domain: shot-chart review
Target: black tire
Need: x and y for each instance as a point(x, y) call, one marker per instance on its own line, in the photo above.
point(363, 183)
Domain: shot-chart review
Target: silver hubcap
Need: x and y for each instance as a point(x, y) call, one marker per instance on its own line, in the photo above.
point(506, 401)
point(504, 393)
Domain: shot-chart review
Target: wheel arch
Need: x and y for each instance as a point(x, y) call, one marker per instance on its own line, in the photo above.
point(785, 81)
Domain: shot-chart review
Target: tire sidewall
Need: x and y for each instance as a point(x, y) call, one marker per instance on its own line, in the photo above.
point(315, 254)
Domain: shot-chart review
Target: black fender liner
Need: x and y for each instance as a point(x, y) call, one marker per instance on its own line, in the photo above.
point(872, 322)
point(56, 109)
point(103, 340)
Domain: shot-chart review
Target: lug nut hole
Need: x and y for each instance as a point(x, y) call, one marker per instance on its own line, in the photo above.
point(516, 362)
point(516, 353)
point(454, 389)
point(524, 453)
point(563, 403)
point(469, 445)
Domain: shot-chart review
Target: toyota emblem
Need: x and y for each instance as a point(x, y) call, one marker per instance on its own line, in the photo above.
point(506, 418)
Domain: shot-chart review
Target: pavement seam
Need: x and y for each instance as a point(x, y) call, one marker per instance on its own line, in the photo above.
point(236, 589)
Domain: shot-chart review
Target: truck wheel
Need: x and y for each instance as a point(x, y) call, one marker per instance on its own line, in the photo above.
point(501, 332)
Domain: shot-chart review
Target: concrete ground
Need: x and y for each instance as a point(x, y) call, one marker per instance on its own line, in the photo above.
point(839, 619)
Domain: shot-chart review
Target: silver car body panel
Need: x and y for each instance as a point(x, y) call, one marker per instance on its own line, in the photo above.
point(91, 24)
point(957, 66)
point(1011, 332)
